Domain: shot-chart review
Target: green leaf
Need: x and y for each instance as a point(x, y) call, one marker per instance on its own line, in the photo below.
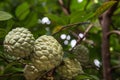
point(31, 21)
point(80, 16)
point(76, 6)
point(22, 11)
point(104, 7)
point(5, 16)
point(2, 32)
point(56, 19)
point(94, 77)
point(9, 25)
point(86, 76)
point(82, 77)
point(17, 69)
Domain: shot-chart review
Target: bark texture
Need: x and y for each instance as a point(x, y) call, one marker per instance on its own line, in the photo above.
point(105, 21)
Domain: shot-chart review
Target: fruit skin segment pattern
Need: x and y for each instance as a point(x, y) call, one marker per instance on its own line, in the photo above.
point(81, 53)
point(19, 42)
point(69, 69)
point(44, 54)
point(48, 53)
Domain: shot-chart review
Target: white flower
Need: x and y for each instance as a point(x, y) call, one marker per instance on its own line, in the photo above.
point(66, 42)
point(73, 43)
point(97, 62)
point(63, 36)
point(45, 20)
point(79, 1)
point(68, 37)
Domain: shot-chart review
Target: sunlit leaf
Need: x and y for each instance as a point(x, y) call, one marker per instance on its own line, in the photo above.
point(56, 29)
point(22, 11)
point(104, 7)
point(82, 77)
point(80, 16)
point(5, 16)
point(31, 20)
point(94, 77)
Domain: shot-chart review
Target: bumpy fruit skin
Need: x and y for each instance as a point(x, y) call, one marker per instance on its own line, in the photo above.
point(19, 42)
point(69, 69)
point(31, 73)
point(81, 54)
point(48, 53)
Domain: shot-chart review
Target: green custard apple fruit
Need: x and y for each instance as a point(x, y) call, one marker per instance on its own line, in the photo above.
point(31, 73)
point(69, 69)
point(81, 54)
point(48, 53)
point(19, 42)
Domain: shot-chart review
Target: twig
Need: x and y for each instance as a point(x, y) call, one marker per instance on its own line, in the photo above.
point(86, 40)
point(41, 76)
point(84, 34)
point(68, 6)
point(116, 67)
point(64, 8)
point(10, 74)
point(73, 33)
point(67, 26)
point(6, 75)
point(113, 32)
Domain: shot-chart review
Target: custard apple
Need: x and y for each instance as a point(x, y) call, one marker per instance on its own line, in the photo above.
point(31, 73)
point(69, 69)
point(48, 53)
point(81, 54)
point(19, 42)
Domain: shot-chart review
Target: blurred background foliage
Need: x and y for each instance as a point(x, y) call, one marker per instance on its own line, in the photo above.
point(47, 17)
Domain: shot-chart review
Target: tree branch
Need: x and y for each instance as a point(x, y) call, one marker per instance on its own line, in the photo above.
point(116, 67)
point(64, 8)
point(113, 32)
point(84, 34)
point(86, 40)
point(105, 21)
point(67, 26)
point(68, 6)
point(10, 74)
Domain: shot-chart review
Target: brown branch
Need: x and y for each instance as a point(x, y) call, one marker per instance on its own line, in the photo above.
point(73, 33)
point(113, 32)
point(116, 67)
point(68, 6)
point(10, 74)
point(67, 26)
point(84, 34)
point(64, 8)
point(105, 21)
point(6, 75)
point(46, 73)
point(86, 40)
